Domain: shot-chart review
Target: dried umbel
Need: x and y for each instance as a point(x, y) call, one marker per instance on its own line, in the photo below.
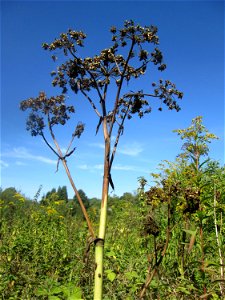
point(150, 226)
point(53, 109)
point(97, 72)
point(156, 195)
point(192, 199)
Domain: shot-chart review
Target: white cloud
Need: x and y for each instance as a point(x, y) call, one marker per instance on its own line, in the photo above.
point(116, 167)
point(23, 153)
point(44, 159)
point(20, 163)
point(131, 168)
point(90, 167)
point(132, 149)
point(123, 168)
point(98, 167)
point(83, 167)
point(3, 164)
point(97, 145)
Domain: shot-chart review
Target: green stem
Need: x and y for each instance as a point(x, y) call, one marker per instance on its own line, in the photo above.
point(99, 246)
point(99, 249)
point(99, 243)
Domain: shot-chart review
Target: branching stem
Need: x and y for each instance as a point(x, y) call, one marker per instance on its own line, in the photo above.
point(60, 156)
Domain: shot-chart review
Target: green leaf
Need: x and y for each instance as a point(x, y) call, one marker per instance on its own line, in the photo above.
point(131, 275)
point(72, 292)
point(74, 297)
point(75, 294)
point(111, 254)
point(184, 290)
point(56, 290)
point(204, 162)
point(209, 263)
point(200, 215)
point(41, 292)
point(154, 283)
point(111, 275)
point(53, 298)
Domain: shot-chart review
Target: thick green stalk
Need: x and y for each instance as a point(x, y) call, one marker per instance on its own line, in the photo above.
point(99, 245)
point(99, 251)
point(99, 242)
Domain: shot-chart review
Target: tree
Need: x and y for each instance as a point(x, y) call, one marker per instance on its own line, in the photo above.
point(83, 197)
point(96, 78)
point(48, 194)
point(55, 195)
point(62, 193)
point(127, 196)
point(8, 194)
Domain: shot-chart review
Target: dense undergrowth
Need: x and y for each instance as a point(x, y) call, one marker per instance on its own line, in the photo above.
point(45, 252)
point(165, 242)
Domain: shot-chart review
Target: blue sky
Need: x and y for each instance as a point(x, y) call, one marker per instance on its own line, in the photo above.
point(192, 39)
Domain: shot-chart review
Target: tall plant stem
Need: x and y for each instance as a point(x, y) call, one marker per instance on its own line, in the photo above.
point(219, 246)
point(203, 252)
point(198, 172)
point(99, 245)
point(99, 242)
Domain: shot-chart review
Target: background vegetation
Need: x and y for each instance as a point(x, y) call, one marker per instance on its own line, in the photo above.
point(164, 242)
